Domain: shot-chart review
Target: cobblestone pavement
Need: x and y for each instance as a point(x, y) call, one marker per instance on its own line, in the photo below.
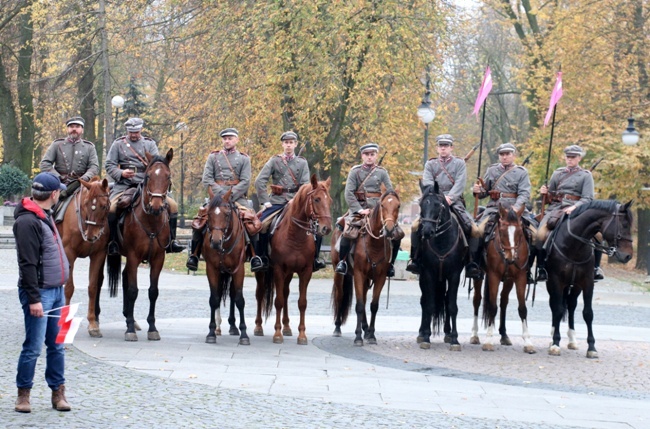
point(105, 393)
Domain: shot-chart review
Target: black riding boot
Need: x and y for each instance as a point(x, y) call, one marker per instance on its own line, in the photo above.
point(344, 249)
point(319, 264)
point(174, 246)
point(472, 269)
point(192, 263)
point(113, 247)
point(260, 262)
point(598, 272)
point(542, 275)
point(391, 266)
point(413, 264)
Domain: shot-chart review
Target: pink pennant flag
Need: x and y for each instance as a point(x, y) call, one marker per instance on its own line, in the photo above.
point(68, 329)
point(555, 97)
point(483, 92)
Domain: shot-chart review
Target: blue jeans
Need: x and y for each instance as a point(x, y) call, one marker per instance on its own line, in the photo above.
point(37, 331)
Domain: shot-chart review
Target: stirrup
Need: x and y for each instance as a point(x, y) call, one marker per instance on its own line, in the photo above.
point(192, 263)
point(175, 247)
point(257, 264)
point(598, 273)
point(412, 267)
point(542, 275)
point(391, 271)
point(319, 264)
point(342, 268)
point(473, 271)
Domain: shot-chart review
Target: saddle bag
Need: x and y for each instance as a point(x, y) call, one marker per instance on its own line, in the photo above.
point(127, 198)
point(201, 218)
point(277, 190)
point(352, 228)
point(360, 196)
point(251, 222)
point(554, 219)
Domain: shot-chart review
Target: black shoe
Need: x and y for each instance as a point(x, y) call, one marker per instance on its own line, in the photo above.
point(412, 267)
point(342, 268)
point(542, 275)
point(175, 247)
point(192, 263)
point(257, 264)
point(113, 248)
point(599, 274)
point(473, 271)
point(319, 264)
point(391, 271)
point(529, 278)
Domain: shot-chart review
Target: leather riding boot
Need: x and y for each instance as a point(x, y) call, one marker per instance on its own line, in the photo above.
point(22, 403)
point(598, 272)
point(472, 269)
point(413, 263)
point(113, 246)
point(59, 401)
point(319, 264)
point(530, 278)
point(192, 263)
point(393, 258)
point(542, 275)
point(174, 246)
point(260, 262)
point(344, 249)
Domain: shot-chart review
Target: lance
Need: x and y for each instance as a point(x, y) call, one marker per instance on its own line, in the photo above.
point(548, 159)
point(595, 164)
point(480, 155)
point(527, 160)
point(471, 152)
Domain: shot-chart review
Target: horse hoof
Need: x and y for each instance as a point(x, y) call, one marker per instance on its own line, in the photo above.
point(336, 333)
point(554, 351)
point(136, 326)
point(592, 354)
point(455, 348)
point(447, 339)
point(474, 340)
point(302, 341)
point(233, 331)
point(572, 346)
point(277, 339)
point(287, 332)
point(530, 350)
point(488, 348)
point(95, 333)
point(358, 343)
point(218, 331)
point(130, 336)
point(244, 341)
point(258, 331)
point(425, 345)
point(153, 336)
point(419, 339)
point(211, 339)
point(372, 340)
point(505, 341)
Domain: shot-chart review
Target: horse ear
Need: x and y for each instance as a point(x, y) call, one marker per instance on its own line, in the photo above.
point(502, 211)
point(148, 156)
point(382, 188)
point(436, 188)
point(314, 181)
point(627, 205)
point(86, 184)
point(210, 192)
point(421, 186)
point(396, 190)
point(227, 195)
point(170, 155)
point(328, 183)
point(105, 183)
point(520, 211)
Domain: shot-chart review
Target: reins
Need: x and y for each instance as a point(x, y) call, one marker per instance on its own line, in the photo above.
point(227, 235)
point(81, 221)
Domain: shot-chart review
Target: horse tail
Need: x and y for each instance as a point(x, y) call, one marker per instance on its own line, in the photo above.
point(342, 294)
point(438, 313)
point(224, 285)
point(489, 308)
point(269, 292)
point(113, 265)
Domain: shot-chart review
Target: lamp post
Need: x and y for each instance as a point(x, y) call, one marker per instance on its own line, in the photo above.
point(426, 115)
point(181, 126)
point(117, 102)
point(630, 135)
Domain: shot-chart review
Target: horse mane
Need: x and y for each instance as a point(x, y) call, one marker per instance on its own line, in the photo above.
point(604, 205)
point(216, 201)
point(512, 216)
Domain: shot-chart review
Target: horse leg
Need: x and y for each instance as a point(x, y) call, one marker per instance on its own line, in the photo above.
point(215, 303)
point(505, 296)
point(588, 315)
point(360, 306)
point(154, 275)
point(426, 303)
point(478, 284)
point(364, 321)
point(94, 284)
point(231, 316)
point(521, 285)
point(490, 307)
point(556, 302)
point(278, 278)
point(238, 285)
point(374, 307)
point(304, 278)
point(572, 304)
point(451, 311)
point(130, 293)
point(259, 297)
point(218, 320)
point(286, 329)
point(337, 303)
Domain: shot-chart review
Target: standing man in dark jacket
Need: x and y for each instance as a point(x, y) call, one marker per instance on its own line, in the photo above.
point(42, 271)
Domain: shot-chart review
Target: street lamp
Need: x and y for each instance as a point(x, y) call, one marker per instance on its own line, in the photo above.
point(181, 126)
point(426, 115)
point(117, 102)
point(630, 135)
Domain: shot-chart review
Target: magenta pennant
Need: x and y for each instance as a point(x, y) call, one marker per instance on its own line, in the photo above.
point(555, 97)
point(483, 92)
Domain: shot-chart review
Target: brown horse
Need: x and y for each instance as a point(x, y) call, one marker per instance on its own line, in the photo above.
point(292, 251)
point(83, 234)
point(146, 224)
point(224, 251)
point(507, 261)
point(370, 260)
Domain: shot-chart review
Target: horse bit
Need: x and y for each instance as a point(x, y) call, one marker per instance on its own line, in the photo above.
point(311, 227)
point(93, 207)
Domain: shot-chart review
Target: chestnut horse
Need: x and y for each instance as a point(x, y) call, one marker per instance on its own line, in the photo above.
point(146, 224)
point(570, 263)
point(369, 259)
point(292, 251)
point(507, 261)
point(84, 232)
point(224, 251)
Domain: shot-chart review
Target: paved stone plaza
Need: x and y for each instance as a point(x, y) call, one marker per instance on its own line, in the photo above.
point(181, 381)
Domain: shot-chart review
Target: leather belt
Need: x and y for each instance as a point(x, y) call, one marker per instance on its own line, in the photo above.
point(288, 191)
point(560, 197)
point(227, 182)
point(495, 195)
point(133, 168)
point(373, 194)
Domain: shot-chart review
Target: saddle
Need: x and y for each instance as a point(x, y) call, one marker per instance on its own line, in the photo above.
point(62, 206)
point(128, 198)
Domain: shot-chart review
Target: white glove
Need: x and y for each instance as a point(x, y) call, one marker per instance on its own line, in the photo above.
point(267, 204)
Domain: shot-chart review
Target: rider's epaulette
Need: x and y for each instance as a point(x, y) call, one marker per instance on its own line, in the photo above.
point(245, 154)
point(356, 166)
point(59, 140)
point(148, 138)
point(521, 167)
point(379, 167)
point(88, 142)
point(435, 157)
point(301, 157)
point(215, 151)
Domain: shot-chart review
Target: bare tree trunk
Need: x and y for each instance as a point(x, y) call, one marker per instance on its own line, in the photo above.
point(8, 121)
point(86, 93)
point(25, 100)
point(108, 119)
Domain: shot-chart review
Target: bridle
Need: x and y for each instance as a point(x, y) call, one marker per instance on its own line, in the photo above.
point(311, 226)
point(618, 236)
point(383, 232)
point(147, 208)
point(85, 220)
point(440, 226)
point(514, 249)
point(227, 232)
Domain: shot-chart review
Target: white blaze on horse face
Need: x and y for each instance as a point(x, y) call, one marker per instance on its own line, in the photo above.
point(511, 235)
point(217, 211)
point(157, 171)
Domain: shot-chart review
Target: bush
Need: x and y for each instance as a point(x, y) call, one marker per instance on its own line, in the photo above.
point(12, 181)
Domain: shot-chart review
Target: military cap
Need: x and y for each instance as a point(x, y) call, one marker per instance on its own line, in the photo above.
point(134, 125)
point(289, 135)
point(76, 120)
point(445, 139)
point(574, 149)
point(229, 132)
point(506, 147)
point(369, 146)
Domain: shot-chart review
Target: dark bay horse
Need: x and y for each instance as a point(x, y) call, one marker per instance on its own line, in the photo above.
point(507, 262)
point(369, 259)
point(84, 232)
point(146, 235)
point(570, 263)
point(224, 251)
point(292, 251)
point(442, 259)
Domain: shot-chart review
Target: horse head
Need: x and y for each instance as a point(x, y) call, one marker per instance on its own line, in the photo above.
point(221, 213)
point(318, 206)
point(434, 211)
point(156, 183)
point(510, 233)
point(388, 208)
point(94, 208)
point(618, 232)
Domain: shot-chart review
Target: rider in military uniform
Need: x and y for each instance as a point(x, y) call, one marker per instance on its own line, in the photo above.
point(224, 170)
point(126, 163)
point(503, 182)
point(71, 159)
point(288, 173)
point(451, 174)
point(362, 193)
point(570, 187)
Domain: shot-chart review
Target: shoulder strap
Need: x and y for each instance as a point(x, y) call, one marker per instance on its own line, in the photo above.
point(286, 164)
point(142, 160)
point(502, 176)
point(453, 182)
point(364, 180)
point(229, 165)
